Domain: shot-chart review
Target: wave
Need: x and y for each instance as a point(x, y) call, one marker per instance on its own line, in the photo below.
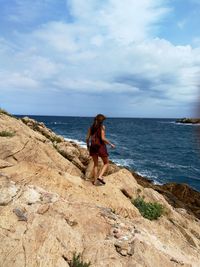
point(169, 165)
point(173, 122)
point(79, 142)
point(123, 162)
point(149, 175)
point(186, 124)
point(56, 123)
point(145, 173)
point(180, 123)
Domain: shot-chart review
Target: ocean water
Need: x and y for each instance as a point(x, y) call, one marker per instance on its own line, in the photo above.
point(159, 149)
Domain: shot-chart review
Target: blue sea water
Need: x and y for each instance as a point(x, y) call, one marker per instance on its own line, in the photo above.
point(159, 149)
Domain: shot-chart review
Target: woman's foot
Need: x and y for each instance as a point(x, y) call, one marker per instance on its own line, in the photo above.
point(94, 182)
point(101, 180)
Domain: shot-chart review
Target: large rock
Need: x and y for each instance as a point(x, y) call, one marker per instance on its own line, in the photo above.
point(41, 128)
point(71, 153)
point(29, 147)
point(70, 150)
point(39, 227)
point(47, 212)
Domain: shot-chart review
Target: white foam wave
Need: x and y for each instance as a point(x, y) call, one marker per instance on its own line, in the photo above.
point(57, 122)
point(79, 142)
point(180, 123)
point(130, 163)
point(173, 122)
point(123, 162)
point(149, 175)
point(186, 124)
point(170, 165)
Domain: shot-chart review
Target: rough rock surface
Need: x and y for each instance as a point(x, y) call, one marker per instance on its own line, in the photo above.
point(112, 168)
point(47, 212)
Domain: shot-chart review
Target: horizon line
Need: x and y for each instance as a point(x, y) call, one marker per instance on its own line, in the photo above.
point(108, 117)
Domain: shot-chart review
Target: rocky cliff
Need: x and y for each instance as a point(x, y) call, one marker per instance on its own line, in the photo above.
point(49, 209)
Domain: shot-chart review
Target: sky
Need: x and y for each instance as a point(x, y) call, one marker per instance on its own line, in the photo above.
point(125, 58)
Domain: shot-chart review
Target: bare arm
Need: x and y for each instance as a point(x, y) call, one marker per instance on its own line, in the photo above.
point(103, 137)
point(88, 137)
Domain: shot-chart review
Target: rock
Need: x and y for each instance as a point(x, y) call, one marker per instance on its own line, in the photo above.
point(111, 168)
point(63, 214)
point(84, 156)
point(47, 197)
point(78, 156)
point(127, 192)
point(188, 197)
point(124, 248)
point(20, 214)
point(28, 146)
point(8, 190)
point(189, 120)
point(31, 196)
point(43, 209)
point(67, 151)
point(4, 164)
point(180, 196)
point(177, 261)
point(41, 128)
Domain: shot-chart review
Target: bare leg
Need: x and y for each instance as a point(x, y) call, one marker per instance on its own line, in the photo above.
point(95, 168)
point(105, 166)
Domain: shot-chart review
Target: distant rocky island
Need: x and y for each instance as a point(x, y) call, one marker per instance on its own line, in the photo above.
point(188, 120)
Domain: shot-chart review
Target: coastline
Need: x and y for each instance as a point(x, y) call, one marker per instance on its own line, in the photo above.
point(49, 207)
point(179, 195)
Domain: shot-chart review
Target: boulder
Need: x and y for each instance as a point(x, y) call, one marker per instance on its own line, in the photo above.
point(41, 128)
point(50, 234)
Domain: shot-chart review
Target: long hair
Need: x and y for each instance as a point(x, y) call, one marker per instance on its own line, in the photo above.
point(98, 121)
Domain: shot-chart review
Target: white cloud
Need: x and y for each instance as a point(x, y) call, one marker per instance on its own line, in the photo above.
point(59, 36)
point(110, 47)
point(17, 81)
point(94, 86)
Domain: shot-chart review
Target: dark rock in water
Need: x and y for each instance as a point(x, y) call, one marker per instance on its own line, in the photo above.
point(189, 120)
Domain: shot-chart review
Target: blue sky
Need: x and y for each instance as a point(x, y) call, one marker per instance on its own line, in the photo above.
point(125, 58)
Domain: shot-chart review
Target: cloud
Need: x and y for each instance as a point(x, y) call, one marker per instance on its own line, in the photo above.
point(107, 48)
point(17, 81)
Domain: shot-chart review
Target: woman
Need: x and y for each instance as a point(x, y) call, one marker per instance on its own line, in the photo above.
point(97, 147)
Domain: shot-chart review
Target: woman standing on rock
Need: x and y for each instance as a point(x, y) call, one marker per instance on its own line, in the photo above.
point(96, 144)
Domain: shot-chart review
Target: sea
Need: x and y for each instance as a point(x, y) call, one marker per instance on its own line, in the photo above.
point(159, 149)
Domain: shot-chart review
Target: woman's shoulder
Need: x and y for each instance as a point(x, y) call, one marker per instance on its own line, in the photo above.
point(103, 127)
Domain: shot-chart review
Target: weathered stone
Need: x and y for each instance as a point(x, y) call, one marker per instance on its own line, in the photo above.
point(111, 168)
point(8, 190)
point(43, 209)
point(64, 214)
point(20, 214)
point(4, 164)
